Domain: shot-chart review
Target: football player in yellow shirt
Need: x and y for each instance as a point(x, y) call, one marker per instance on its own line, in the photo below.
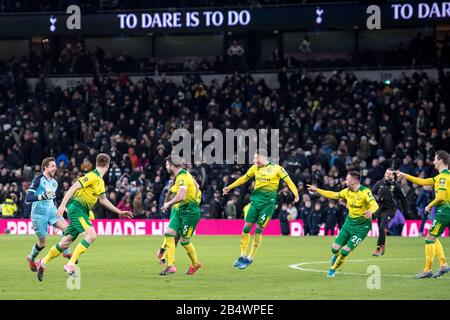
point(262, 201)
point(361, 206)
point(161, 254)
point(185, 218)
point(78, 201)
point(441, 184)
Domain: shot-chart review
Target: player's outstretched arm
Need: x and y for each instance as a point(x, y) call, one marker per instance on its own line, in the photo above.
point(415, 180)
point(325, 193)
point(62, 207)
point(180, 196)
point(236, 184)
point(291, 185)
point(104, 201)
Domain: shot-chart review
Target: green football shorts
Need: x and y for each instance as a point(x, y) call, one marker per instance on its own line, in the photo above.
point(353, 232)
point(261, 209)
point(79, 219)
point(185, 220)
point(440, 222)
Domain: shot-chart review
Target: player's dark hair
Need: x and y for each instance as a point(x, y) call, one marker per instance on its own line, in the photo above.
point(175, 160)
point(444, 156)
point(46, 162)
point(102, 160)
point(355, 174)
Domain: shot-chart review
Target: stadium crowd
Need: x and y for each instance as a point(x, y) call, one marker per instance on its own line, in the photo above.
point(327, 127)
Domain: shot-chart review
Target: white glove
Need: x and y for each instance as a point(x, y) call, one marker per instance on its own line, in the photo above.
point(48, 195)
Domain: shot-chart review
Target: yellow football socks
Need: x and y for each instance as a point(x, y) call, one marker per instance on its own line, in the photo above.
point(339, 261)
point(190, 250)
point(163, 245)
point(79, 250)
point(256, 243)
point(170, 249)
point(430, 251)
point(245, 238)
point(54, 252)
point(440, 253)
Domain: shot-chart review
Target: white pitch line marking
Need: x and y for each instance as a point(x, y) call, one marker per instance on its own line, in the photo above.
point(298, 266)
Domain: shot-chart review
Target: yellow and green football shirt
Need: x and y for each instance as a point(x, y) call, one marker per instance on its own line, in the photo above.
point(267, 178)
point(359, 202)
point(92, 186)
point(193, 194)
point(442, 182)
point(199, 198)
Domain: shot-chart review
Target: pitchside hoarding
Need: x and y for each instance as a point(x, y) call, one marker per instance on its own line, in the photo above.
point(119, 227)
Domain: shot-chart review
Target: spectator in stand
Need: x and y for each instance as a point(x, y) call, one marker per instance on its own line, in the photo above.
point(284, 220)
point(216, 207)
point(125, 203)
point(86, 166)
point(235, 53)
point(9, 206)
point(315, 218)
point(305, 214)
point(134, 159)
point(230, 208)
point(292, 211)
point(284, 197)
point(148, 202)
point(138, 208)
point(331, 214)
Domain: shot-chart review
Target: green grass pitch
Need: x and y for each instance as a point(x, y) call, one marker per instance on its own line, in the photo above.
point(126, 268)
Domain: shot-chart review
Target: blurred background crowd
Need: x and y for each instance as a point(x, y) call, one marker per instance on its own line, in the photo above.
point(327, 126)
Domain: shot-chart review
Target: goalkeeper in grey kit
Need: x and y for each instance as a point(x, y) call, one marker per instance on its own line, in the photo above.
point(41, 194)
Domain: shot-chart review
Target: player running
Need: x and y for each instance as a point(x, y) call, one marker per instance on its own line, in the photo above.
point(441, 220)
point(263, 201)
point(161, 254)
point(41, 194)
point(185, 218)
point(361, 206)
point(79, 199)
